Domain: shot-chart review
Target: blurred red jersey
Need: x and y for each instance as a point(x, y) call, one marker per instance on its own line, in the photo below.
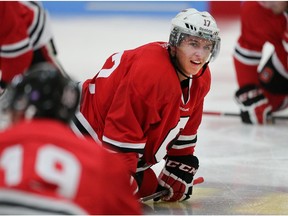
point(25, 37)
point(46, 169)
point(259, 25)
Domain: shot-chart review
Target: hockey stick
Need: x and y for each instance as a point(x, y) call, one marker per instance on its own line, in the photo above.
point(199, 180)
point(155, 195)
point(238, 115)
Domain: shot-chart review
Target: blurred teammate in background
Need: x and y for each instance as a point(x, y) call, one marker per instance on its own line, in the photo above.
point(263, 89)
point(44, 167)
point(147, 103)
point(25, 38)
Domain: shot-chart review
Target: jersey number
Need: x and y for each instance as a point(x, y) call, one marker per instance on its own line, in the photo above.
point(116, 58)
point(53, 164)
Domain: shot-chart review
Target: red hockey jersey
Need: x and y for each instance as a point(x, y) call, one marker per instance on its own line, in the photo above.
point(135, 103)
point(46, 169)
point(259, 25)
point(24, 37)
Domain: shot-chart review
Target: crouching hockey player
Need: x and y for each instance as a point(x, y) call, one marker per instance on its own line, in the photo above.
point(263, 89)
point(146, 104)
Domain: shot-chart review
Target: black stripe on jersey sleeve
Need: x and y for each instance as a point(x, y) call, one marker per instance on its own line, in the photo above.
point(9, 50)
point(185, 142)
point(41, 14)
point(247, 56)
point(123, 149)
point(80, 126)
point(34, 4)
point(40, 32)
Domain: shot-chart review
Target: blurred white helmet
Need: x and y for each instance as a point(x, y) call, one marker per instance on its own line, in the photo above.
point(195, 23)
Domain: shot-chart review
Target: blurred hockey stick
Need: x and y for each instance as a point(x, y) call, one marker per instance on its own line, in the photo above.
point(155, 195)
point(199, 180)
point(274, 117)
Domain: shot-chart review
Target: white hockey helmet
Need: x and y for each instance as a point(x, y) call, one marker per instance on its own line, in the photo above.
point(192, 22)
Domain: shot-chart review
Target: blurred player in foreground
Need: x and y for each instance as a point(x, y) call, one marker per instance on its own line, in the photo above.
point(25, 38)
point(147, 103)
point(263, 89)
point(44, 167)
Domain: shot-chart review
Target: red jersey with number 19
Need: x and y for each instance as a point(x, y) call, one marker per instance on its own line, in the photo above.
point(46, 169)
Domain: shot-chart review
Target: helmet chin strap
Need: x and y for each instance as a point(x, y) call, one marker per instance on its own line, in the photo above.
point(173, 60)
point(180, 71)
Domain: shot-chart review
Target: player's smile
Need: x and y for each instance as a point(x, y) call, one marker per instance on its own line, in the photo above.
point(195, 62)
point(195, 66)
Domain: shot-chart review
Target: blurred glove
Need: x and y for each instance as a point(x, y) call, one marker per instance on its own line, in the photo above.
point(254, 106)
point(177, 177)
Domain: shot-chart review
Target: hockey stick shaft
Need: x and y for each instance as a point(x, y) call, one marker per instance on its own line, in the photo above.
point(162, 193)
point(155, 195)
point(238, 115)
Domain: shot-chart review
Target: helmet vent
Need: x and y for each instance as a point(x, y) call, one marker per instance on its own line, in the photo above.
point(190, 27)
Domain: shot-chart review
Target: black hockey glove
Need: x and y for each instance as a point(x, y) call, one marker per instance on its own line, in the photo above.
point(254, 106)
point(177, 177)
point(271, 78)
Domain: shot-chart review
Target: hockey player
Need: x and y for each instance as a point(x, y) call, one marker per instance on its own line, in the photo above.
point(44, 167)
point(146, 103)
point(25, 38)
point(262, 89)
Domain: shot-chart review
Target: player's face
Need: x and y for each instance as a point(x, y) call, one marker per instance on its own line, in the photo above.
point(192, 54)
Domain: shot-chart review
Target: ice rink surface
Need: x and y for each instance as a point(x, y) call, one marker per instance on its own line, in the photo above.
point(245, 167)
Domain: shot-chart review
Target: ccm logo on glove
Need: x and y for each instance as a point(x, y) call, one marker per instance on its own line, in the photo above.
point(181, 166)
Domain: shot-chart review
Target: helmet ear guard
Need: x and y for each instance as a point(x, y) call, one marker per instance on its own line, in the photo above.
point(195, 23)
